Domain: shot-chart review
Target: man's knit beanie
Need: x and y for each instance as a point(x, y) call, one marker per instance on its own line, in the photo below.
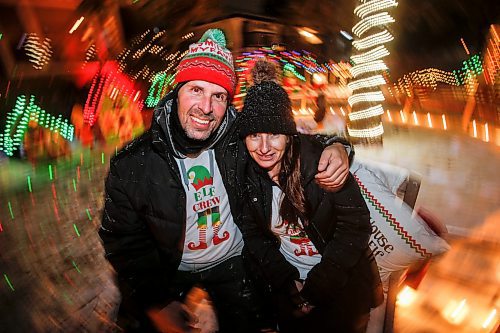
point(267, 107)
point(209, 60)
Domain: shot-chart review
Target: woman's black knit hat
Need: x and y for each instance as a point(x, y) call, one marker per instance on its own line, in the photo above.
point(267, 108)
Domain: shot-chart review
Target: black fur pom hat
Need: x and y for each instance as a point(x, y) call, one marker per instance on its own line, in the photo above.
point(267, 107)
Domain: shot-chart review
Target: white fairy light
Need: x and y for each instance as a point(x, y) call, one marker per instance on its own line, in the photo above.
point(373, 111)
point(375, 96)
point(368, 82)
point(373, 6)
point(39, 52)
point(372, 21)
point(371, 34)
point(373, 66)
point(373, 40)
point(372, 55)
point(367, 132)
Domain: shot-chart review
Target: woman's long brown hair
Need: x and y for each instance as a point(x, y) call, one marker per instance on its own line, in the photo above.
point(293, 205)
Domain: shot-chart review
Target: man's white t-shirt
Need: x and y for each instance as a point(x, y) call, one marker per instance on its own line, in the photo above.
point(211, 234)
point(296, 247)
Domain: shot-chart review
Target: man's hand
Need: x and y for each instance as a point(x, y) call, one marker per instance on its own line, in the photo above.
point(333, 167)
point(174, 318)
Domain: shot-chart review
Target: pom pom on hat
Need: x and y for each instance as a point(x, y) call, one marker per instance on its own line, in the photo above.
point(214, 34)
point(267, 107)
point(265, 71)
point(209, 60)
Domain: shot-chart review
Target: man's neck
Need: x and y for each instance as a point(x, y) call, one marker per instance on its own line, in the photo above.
point(195, 155)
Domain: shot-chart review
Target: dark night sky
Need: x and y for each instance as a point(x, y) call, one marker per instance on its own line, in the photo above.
point(427, 32)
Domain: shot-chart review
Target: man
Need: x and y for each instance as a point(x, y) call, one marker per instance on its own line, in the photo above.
point(170, 198)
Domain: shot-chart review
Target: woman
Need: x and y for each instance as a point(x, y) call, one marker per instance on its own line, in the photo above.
point(310, 245)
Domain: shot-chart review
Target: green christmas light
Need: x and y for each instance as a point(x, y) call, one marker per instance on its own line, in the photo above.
point(76, 266)
point(158, 88)
point(10, 210)
point(29, 183)
point(8, 282)
point(291, 68)
point(17, 124)
point(88, 214)
point(76, 230)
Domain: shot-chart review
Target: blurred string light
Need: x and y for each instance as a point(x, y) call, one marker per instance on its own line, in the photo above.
point(370, 22)
point(389, 116)
point(491, 64)
point(292, 69)
point(370, 41)
point(490, 319)
point(369, 7)
point(150, 48)
point(376, 110)
point(371, 34)
point(429, 78)
point(455, 312)
point(108, 82)
point(76, 25)
point(467, 75)
point(39, 51)
point(368, 132)
point(432, 77)
point(465, 46)
point(373, 66)
point(90, 54)
point(158, 88)
point(365, 97)
point(293, 63)
point(346, 35)
point(188, 35)
point(445, 126)
point(25, 110)
point(415, 118)
point(367, 82)
point(372, 55)
point(8, 282)
point(403, 117)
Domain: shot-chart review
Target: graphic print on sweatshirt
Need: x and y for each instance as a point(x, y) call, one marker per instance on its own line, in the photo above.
point(206, 207)
point(296, 246)
point(211, 235)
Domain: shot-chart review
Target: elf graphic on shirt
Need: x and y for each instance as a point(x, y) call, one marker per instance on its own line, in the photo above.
point(299, 237)
point(207, 207)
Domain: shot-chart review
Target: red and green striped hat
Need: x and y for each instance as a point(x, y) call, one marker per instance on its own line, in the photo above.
point(209, 60)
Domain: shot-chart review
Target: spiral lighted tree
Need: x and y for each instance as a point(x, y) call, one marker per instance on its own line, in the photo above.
point(371, 33)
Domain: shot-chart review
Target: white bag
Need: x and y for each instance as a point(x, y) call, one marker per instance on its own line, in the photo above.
point(399, 237)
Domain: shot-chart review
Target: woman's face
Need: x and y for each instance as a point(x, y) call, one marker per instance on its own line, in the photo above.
point(267, 150)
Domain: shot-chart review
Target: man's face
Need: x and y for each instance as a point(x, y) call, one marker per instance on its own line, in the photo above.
point(201, 107)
